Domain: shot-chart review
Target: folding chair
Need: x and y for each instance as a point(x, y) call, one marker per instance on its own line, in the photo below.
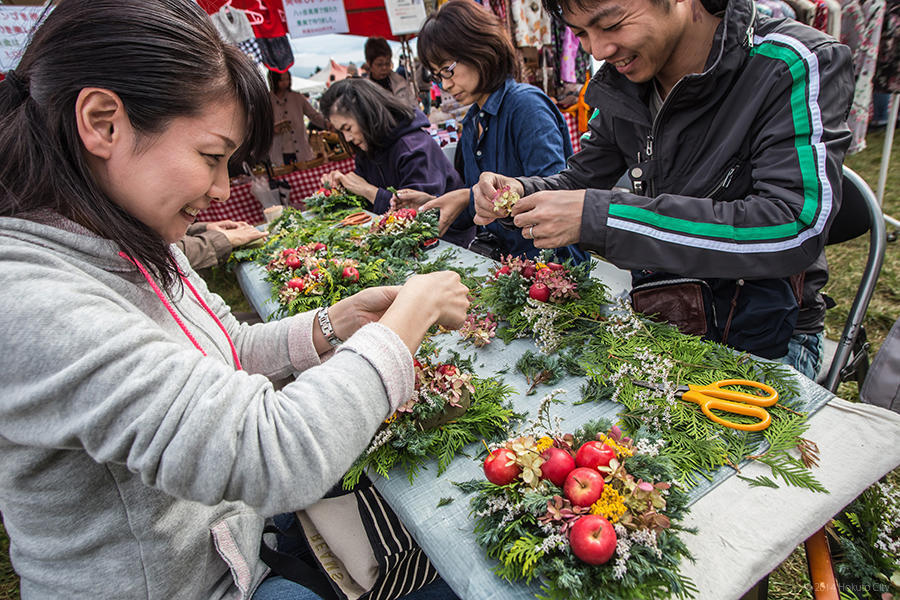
point(859, 212)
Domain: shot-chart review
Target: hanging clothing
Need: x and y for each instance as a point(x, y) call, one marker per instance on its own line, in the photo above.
point(498, 7)
point(562, 55)
point(887, 68)
point(805, 10)
point(531, 24)
point(777, 9)
point(861, 31)
point(251, 49)
point(277, 53)
point(232, 24)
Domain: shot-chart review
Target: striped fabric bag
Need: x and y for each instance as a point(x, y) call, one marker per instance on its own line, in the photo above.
point(352, 547)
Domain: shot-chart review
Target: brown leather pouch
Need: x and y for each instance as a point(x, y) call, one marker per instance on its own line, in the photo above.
point(684, 303)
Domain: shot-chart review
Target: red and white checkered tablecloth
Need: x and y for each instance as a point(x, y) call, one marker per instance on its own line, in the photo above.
point(572, 123)
point(243, 205)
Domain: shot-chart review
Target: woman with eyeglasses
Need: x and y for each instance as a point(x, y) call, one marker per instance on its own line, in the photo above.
point(512, 128)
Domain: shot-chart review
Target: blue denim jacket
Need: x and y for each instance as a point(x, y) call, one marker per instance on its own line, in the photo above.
point(523, 134)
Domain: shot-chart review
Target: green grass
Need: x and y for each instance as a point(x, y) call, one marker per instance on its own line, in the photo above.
point(789, 581)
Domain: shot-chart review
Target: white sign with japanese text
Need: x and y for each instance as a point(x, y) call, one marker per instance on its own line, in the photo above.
point(405, 16)
point(16, 23)
point(315, 17)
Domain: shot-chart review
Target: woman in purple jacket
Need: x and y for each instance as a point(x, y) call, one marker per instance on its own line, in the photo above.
point(392, 148)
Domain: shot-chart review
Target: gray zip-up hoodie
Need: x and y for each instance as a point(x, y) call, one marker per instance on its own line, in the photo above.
point(133, 466)
point(738, 176)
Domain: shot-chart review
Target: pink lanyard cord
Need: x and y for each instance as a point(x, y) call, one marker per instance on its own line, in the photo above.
point(178, 320)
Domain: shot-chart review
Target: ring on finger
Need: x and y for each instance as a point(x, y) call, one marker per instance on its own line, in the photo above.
point(531, 232)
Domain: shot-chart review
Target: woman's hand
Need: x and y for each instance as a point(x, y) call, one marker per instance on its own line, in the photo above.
point(357, 185)
point(451, 205)
point(331, 180)
point(424, 300)
point(409, 310)
point(364, 307)
point(484, 191)
point(243, 234)
point(407, 198)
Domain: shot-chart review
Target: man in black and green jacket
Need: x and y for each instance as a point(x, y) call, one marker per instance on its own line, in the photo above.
point(731, 129)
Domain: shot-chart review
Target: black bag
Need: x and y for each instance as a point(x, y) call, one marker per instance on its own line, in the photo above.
point(350, 546)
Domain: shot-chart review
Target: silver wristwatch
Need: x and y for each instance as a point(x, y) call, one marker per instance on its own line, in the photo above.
point(327, 328)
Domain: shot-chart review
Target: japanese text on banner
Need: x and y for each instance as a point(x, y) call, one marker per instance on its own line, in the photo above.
point(315, 17)
point(16, 23)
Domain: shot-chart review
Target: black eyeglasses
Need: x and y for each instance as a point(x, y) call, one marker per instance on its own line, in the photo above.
point(443, 73)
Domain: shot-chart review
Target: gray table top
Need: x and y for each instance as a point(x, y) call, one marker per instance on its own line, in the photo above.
point(743, 532)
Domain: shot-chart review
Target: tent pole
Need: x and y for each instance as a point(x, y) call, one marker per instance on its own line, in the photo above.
point(886, 154)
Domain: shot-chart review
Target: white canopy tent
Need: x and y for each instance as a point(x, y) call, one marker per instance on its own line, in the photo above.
point(301, 85)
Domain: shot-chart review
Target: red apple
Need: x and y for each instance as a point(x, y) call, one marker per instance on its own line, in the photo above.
point(292, 261)
point(583, 486)
point(554, 266)
point(539, 292)
point(296, 283)
point(557, 464)
point(594, 454)
point(350, 274)
point(500, 467)
point(319, 246)
point(593, 539)
point(504, 270)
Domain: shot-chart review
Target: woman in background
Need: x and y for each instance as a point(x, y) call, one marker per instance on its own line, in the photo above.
point(511, 128)
point(291, 140)
point(392, 148)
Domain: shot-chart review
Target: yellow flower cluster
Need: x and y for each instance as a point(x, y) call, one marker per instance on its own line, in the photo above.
point(543, 443)
point(619, 448)
point(611, 506)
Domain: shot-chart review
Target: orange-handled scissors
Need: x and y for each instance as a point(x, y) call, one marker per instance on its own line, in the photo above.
point(715, 397)
point(357, 218)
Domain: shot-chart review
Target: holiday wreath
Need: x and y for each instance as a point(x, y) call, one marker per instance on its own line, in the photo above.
point(451, 407)
point(591, 515)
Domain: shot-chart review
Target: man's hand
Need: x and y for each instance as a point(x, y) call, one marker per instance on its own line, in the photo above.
point(484, 191)
point(551, 219)
point(451, 205)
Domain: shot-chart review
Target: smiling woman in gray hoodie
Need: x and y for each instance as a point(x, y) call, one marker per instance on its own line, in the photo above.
point(141, 441)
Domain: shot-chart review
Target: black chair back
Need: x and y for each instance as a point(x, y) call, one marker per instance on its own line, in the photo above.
point(854, 216)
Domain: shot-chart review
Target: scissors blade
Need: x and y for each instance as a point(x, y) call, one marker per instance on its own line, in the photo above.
point(646, 384)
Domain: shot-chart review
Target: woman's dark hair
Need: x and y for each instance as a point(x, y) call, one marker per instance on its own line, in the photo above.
point(377, 111)
point(273, 77)
point(463, 31)
point(375, 47)
point(163, 58)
